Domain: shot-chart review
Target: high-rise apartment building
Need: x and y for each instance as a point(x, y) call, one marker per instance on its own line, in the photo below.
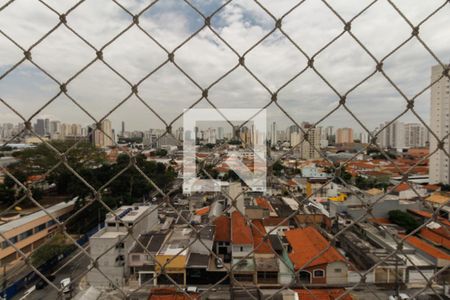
point(47, 126)
point(310, 145)
point(393, 136)
point(273, 134)
point(105, 137)
point(39, 127)
point(440, 122)
point(415, 135)
point(220, 133)
point(344, 135)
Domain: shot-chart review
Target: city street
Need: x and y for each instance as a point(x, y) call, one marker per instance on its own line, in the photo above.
point(74, 269)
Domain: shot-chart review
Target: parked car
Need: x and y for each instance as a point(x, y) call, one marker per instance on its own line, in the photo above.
point(192, 289)
point(66, 285)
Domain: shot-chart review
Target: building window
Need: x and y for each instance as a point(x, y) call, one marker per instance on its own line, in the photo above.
point(4, 244)
point(13, 239)
point(337, 270)
point(25, 234)
point(319, 273)
point(39, 228)
point(51, 223)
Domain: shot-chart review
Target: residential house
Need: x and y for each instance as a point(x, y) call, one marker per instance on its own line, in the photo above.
point(316, 261)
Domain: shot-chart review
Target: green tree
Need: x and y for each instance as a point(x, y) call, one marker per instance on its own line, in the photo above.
point(161, 152)
point(404, 220)
point(7, 195)
point(277, 168)
point(57, 245)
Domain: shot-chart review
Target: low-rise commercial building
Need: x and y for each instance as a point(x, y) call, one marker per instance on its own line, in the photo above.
point(111, 244)
point(28, 232)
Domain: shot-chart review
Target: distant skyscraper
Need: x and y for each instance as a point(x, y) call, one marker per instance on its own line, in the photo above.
point(55, 127)
point(393, 136)
point(309, 145)
point(39, 127)
point(440, 122)
point(122, 133)
point(220, 133)
point(273, 134)
point(415, 135)
point(104, 138)
point(47, 126)
point(344, 135)
point(329, 135)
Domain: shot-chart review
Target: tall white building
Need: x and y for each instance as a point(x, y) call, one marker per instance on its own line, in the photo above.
point(220, 133)
point(440, 110)
point(273, 134)
point(104, 138)
point(308, 149)
point(393, 136)
point(415, 135)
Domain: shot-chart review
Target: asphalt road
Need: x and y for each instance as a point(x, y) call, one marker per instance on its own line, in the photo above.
point(76, 269)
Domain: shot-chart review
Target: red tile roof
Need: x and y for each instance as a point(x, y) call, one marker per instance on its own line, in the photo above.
point(425, 247)
point(260, 246)
point(328, 294)
point(241, 233)
point(306, 244)
point(263, 203)
point(275, 221)
point(438, 236)
point(380, 221)
point(402, 187)
point(171, 294)
point(202, 211)
point(223, 229)
point(427, 215)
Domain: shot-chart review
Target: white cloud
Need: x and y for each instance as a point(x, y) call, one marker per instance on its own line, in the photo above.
point(205, 58)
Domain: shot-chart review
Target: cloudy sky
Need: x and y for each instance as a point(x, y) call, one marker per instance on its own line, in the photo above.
point(205, 58)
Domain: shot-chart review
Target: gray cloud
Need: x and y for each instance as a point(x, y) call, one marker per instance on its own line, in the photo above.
point(205, 58)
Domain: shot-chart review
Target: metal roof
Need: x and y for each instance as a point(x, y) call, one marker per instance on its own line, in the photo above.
point(34, 216)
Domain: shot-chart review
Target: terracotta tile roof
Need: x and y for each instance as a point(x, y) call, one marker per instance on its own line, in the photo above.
point(223, 229)
point(402, 187)
point(171, 294)
point(381, 221)
point(202, 211)
point(241, 233)
point(328, 294)
point(439, 236)
point(263, 203)
point(428, 215)
point(306, 244)
point(275, 221)
point(425, 247)
point(260, 246)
